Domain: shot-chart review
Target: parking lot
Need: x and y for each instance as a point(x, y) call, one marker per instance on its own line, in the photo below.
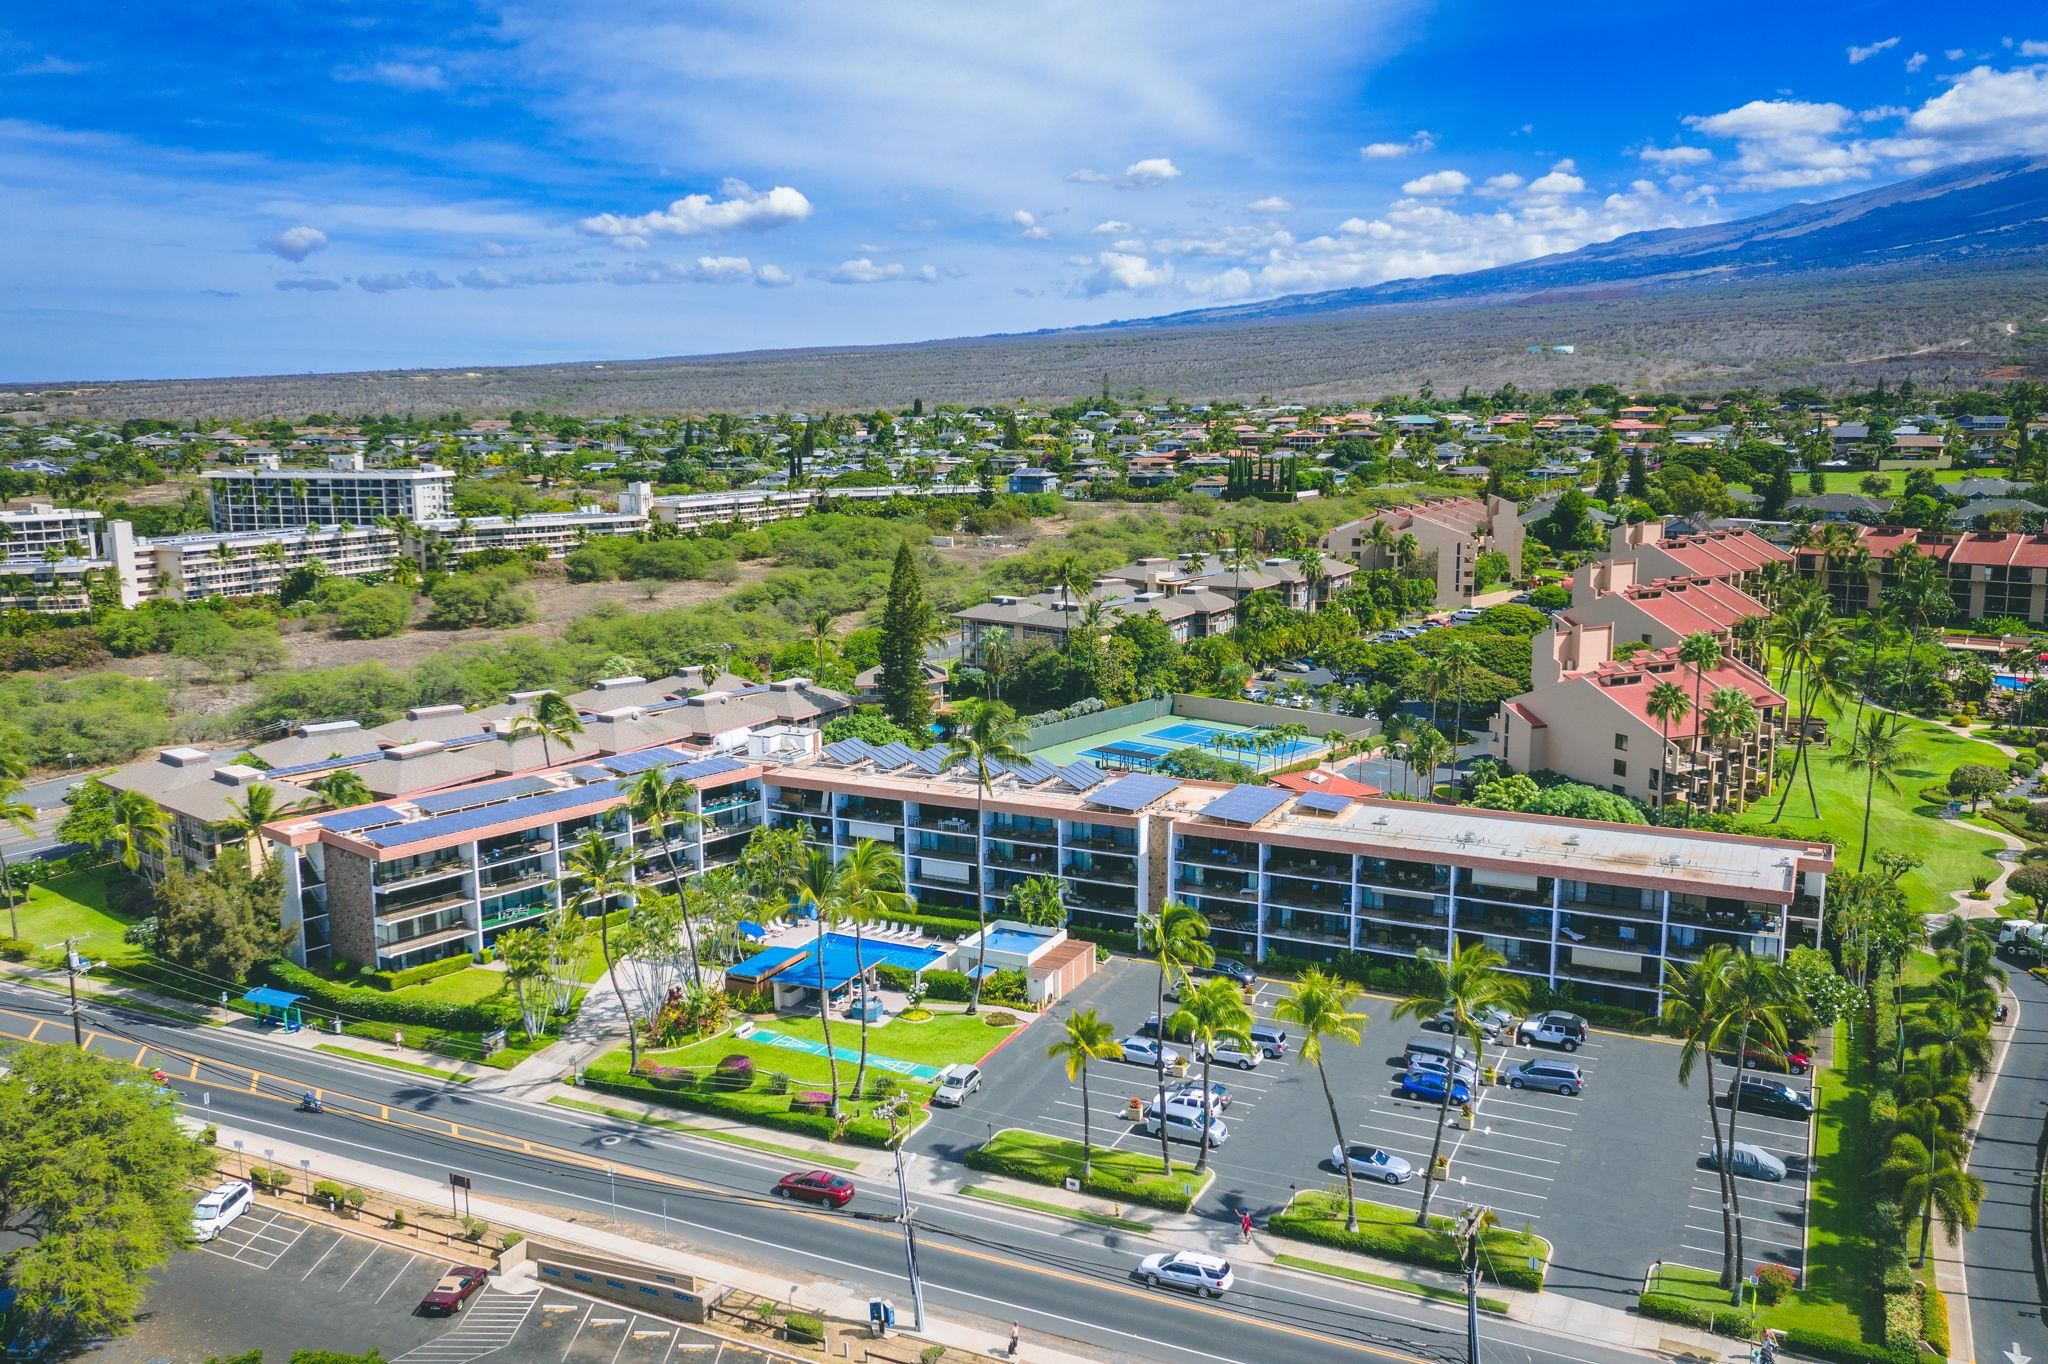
point(1613, 1178)
point(277, 1282)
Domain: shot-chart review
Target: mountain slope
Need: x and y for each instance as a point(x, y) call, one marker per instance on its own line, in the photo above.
point(1975, 212)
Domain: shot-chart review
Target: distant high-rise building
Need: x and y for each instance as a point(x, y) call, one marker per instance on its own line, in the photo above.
point(272, 498)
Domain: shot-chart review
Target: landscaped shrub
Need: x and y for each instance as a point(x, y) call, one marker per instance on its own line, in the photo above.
point(329, 1190)
point(14, 949)
point(810, 1101)
point(778, 1083)
point(1827, 1345)
point(1319, 1218)
point(803, 1324)
point(952, 986)
point(736, 1071)
point(1175, 1193)
point(1720, 1319)
point(999, 1019)
point(1902, 1319)
point(1005, 987)
point(1773, 1282)
point(414, 975)
point(1934, 1321)
point(384, 1007)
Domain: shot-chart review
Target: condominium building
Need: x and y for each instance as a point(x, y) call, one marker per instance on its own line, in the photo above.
point(755, 507)
point(451, 539)
point(1600, 909)
point(1989, 573)
point(1450, 533)
point(1662, 611)
point(269, 497)
point(247, 563)
point(1587, 717)
point(39, 529)
point(1730, 555)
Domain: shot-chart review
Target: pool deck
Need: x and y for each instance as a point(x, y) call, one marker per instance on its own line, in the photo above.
point(1072, 751)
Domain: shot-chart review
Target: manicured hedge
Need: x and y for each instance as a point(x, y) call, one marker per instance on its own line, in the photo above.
point(754, 1105)
point(381, 1006)
point(938, 925)
point(1841, 1349)
point(414, 975)
point(1319, 1218)
point(1046, 1160)
point(1934, 1321)
point(1902, 1319)
point(1722, 1320)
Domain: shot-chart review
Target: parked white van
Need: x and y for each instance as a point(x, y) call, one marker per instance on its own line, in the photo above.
point(218, 1208)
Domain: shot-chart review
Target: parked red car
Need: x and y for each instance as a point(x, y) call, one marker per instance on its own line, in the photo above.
point(816, 1186)
point(455, 1288)
point(1797, 1059)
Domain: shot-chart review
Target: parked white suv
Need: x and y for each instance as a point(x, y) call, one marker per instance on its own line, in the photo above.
point(955, 1084)
point(218, 1208)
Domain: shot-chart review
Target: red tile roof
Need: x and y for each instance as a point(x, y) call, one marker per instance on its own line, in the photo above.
point(1331, 782)
point(1628, 685)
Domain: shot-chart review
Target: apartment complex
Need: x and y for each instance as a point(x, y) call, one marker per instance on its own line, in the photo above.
point(1730, 555)
point(39, 528)
point(244, 563)
point(1450, 533)
point(1989, 573)
point(1597, 908)
point(269, 497)
point(1663, 611)
point(1587, 716)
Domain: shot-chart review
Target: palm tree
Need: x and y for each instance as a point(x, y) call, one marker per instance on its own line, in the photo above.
point(1212, 1012)
point(821, 638)
point(1087, 1038)
point(605, 870)
point(870, 884)
point(1702, 651)
point(817, 885)
point(985, 734)
point(1879, 751)
point(1693, 1010)
point(344, 789)
point(1319, 1007)
point(1961, 1045)
point(1667, 704)
point(1459, 657)
point(1806, 634)
point(246, 817)
point(19, 813)
point(1758, 1004)
point(139, 827)
point(1932, 1178)
point(1731, 718)
point(1428, 751)
point(1432, 677)
point(659, 803)
point(1470, 984)
point(553, 719)
point(1177, 938)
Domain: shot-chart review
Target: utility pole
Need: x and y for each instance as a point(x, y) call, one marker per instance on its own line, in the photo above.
point(72, 966)
point(1472, 1222)
point(903, 1212)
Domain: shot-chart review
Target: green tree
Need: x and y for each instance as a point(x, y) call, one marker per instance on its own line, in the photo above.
point(552, 718)
point(1731, 718)
point(20, 815)
point(603, 870)
point(1877, 750)
point(906, 625)
point(1037, 902)
point(1177, 940)
point(220, 922)
point(1702, 651)
point(1693, 1010)
point(870, 885)
point(1320, 1006)
point(343, 789)
point(986, 734)
point(258, 806)
point(95, 1190)
point(1758, 1006)
point(1087, 1038)
point(661, 804)
point(817, 887)
point(1470, 984)
point(1667, 704)
point(139, 828)
point(1932, 1179)
point(1210, 1013)
point(524, 952)
point(1974, 781)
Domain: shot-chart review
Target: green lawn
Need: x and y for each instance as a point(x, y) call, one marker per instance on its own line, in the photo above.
point(76, 905)
point(1704, 1286)
point(1134, 1175)
point(1420, 1290)
point(377, 1059)
point(1838, 1293)
point(720, 1134)
point(941, 1042)
point(1951, 853)
point(1851, 480)
point(459, 987)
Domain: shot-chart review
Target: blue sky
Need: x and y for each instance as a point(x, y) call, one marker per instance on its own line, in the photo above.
point(203, 189)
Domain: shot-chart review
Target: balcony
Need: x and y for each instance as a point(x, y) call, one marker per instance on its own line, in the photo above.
point(1096, 839)
point(1118, 871)
point(516, 912)
point(490, 855)
point(739, 819)
point(1217, 854)
point(1404, 875)
point(1224, 919)
point(392, 875)
point(1633, 911)
point(1031, 861)
point(852, 831)
point(1098, 899)
point(1307, 894)
point(1322, 928)
point(1309, 868)
point(943, 820)
point(1401, 940)
point(1607, 934)
point(1232, 885)
point(1474, 917)
point(1042, 831)
point(957, 846)
point(886, 812)
point(1513, 895)
point(1689, 944)
point(742, 799)
point(1532, 957)
point(1407, 909)
point(794, 802)
point(419, 942)
point(1643, 978)
point(517, 880)
point(412, 909)
point(814, 830)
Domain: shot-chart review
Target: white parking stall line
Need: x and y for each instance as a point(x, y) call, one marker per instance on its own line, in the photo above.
point(323, 1258)
point(359, 1268)
point(410, 1260)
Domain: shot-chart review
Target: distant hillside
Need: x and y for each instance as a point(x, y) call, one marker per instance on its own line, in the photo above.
point(1942, 279)
point(1984, 212)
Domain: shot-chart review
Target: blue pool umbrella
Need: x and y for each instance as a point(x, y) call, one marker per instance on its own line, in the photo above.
point(753, 930)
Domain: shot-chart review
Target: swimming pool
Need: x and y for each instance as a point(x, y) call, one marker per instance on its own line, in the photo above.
point(2011, 681)
point(874, 952)
point(1236, 744)
point(1014, 940)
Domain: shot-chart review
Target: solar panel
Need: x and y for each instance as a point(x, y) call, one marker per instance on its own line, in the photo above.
point(1133, 793)
point(1032, 771)
point(1082, 776)
point(1247, 804)
point(592, 772)
point(849, 751)
point(464, 797)
point(508, 812)
point(348, 821)
point(930, 761)
point(1324, 802)
point(716, 766)
point(642, 761)
point(893, 755)
point(301, 769)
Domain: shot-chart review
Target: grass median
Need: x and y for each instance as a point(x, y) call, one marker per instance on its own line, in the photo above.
point(372, 1058)
point(1434, 1292)
point(1389, 1233)
point(718, 1134)
point(1128, 1176)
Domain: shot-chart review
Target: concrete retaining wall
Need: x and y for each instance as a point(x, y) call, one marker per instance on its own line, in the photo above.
point(680, 1296)
point(1101, 722)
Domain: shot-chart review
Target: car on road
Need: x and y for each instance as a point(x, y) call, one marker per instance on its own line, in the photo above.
point(1492, 1022)
point(1231, 967)
point(218, 1208)
point(956, 1082)
point(1751, 1162)
point(1754, 1094)
point(1370, 1162)
point(1559, 1077)
point(1228, 1052)
point(1144, 1051)
point(1797, 1058)
point(1553, 1029)
point(1194, 1270)
point(1429, 1085)
point(816, 1186)
point(1187, 1122)
point(454, 1288)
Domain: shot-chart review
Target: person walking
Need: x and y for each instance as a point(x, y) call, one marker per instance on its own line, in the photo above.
point(1014, 1332)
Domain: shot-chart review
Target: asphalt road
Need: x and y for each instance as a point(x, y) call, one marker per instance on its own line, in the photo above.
point(1048, 1274)
point(2000, 1257)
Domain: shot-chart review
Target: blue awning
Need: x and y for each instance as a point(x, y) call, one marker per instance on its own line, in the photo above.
point(263, 997)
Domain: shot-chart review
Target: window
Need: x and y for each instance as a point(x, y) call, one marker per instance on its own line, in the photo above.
point(1620, 768)
point(1621, 743)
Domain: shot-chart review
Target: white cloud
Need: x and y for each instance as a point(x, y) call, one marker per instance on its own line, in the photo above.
point(1088, 177)
point(484, 277)
point(1125, 272)
point(311, 284)
point(702, 270)
point(1121, 244)
point(1507, 182)
point(1880, 112)
point(1272, 203)
point(397, 75)
point(773, 277)
point(1033, 229)
point(1111, 227)
point(1859, 55)
point(393, 281)
point(1954, 54)
point(2033, 47)
point(1789, 144)
point(1235, 282)
point(1668, 157)
point(51, 65)
point(1153, 170)
point(1422, 141)
point(1562, 179)
point(296, 243)
point(1985, 112)
point(1916, 61)
point(743, 209)
point(1438, 183)
point(865, 271)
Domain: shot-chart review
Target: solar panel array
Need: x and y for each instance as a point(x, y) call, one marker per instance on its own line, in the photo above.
point(1032, 771)
point(591, 772)
point(301, 769)
point(1133, 793)
point(930, 761)
point(1083, 776)
point(348, 821)
point(1247, 804)
point(893, 755)
point(462, 799)
point(716, 766)
point(626, 764)
point(1324, 803)
point(849, 751)
point(419, 831)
